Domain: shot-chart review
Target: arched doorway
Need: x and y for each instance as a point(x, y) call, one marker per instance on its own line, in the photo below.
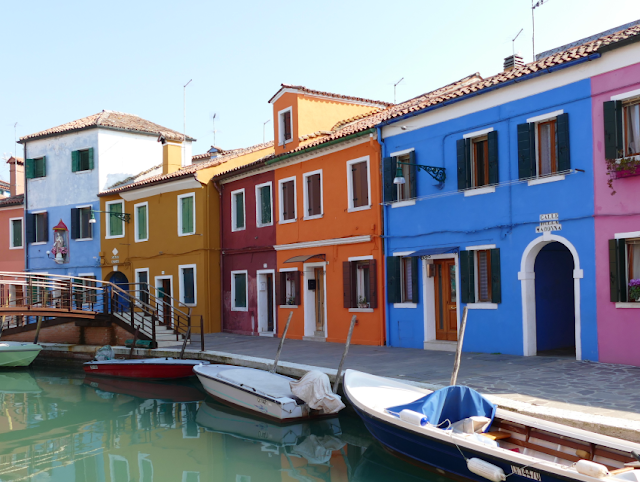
point(528, 281)
point(555, 317)
point(120, 280)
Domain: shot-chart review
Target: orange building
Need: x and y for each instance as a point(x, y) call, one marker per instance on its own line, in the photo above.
point(325, 200)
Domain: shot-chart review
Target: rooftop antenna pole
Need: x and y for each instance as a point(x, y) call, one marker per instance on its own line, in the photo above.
point(184, 121)
point(264, 125)
point(394, 89)
point(15, 140)
point(533, 26)
point(513, 42)
point(214, 128)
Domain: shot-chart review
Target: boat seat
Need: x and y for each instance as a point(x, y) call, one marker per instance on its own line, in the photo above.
point(260, 381)
point(496, 435)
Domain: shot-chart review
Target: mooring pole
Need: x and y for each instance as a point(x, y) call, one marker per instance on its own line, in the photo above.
point(284, 335)
point(336, 382)
point(456, 364)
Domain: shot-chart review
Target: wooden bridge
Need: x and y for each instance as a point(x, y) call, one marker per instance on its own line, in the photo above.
point(26, 298)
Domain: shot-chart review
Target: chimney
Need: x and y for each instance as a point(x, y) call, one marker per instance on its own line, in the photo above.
point(16, 175)
point(171, 155)
point(512, 62)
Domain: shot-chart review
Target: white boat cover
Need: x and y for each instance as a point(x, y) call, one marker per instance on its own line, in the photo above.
point(318, 450)
point(314, 388)
point(271, 384)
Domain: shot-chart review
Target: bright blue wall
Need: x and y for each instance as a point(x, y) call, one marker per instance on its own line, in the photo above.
point(506, 218)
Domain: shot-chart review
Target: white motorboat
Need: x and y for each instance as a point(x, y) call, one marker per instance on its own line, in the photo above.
point(17, 353)
point(267, 394)
point(457, 431)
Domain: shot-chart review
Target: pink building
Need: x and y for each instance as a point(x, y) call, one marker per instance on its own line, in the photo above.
point(616, 134)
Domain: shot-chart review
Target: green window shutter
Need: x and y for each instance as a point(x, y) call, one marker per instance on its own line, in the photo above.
point(617, 270)
point(29, 168)
point(467, 277)
point(393, 279)
point(90, 155)
point(612, 129)
point(526, 151)
point(562, 134)
point(187, 215)
point(492, 140)
point(75, 161)
point(17, 232)
point(75, 223)
point(240, 290)
point(265, 198)
point(115, 224)
point(463, 152)
point(496, 282)
point(415, 296)
point(43, 167)
point(142, 222)
point(239, 210)
point(413, 176)
point(388, 174)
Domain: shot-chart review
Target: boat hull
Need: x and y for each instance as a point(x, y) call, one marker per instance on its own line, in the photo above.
point(149, 369)
point(15, 354)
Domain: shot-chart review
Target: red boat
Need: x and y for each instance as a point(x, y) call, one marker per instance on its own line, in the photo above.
point(146, 368)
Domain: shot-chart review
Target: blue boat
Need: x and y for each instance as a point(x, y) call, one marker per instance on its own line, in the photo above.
point(459, 433)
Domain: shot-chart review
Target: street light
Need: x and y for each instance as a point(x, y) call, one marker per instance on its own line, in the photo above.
point(122, 216)
point(438, 173)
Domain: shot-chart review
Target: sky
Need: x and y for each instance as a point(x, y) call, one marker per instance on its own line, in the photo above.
point(65, 60)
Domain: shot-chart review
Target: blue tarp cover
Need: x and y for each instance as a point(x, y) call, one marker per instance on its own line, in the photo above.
point(450, 403)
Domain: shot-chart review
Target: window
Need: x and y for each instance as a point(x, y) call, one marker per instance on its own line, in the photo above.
point(142, 285)
point(400, 192)
point(188, 284)
point(141, 215)
point(285, 127)
point(287, 200)
point(289, 289)
point(477, 155)
point(622, 128)
point(264, 209)
point(543, 145)
point(237, 210)
point(35, 168)
point(81, 228)
point(358, 184)
point(114, 224)
point(82, 160)
point(359, 284)
point(480, 275)
point(312, 194)
point(402, 279)
point(37, 228)
point(624, 267)
point(239, 300)
point(84, 293)
point(15, 233)
point(186, 214)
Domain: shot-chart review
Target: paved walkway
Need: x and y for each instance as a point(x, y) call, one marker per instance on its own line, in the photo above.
point(596, 389)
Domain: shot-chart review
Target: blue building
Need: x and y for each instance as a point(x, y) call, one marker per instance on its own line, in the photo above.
point(509, 234)
point(65, 169)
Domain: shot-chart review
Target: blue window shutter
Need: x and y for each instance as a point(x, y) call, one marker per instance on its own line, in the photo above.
point(562, 134)
point(492, 139)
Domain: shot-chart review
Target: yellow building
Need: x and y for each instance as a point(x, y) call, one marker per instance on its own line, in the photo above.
point(160, 235)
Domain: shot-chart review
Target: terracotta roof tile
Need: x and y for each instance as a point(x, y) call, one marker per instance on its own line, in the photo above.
point(4, 185)
point(305, 90)
point(12, 201)
point(18, 160)
point(110, 119)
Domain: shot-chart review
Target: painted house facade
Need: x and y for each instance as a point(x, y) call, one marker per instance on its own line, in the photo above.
point(510, 233)
point(66, 167)
point(616, 135)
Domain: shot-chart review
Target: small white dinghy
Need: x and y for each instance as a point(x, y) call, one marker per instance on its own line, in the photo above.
point(17, 353)
point(265, 393)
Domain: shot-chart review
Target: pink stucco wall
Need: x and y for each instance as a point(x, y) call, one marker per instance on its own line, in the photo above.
point(618, 328)
point(10, 259)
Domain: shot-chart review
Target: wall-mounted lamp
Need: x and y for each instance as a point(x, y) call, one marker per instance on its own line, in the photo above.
point(438, 173)
point(126, 217)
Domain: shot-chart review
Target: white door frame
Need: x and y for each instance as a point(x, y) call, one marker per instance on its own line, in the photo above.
point(527, 277)
point(310, 299)
point(261, 301)
point(429, 297)
point(156, 283)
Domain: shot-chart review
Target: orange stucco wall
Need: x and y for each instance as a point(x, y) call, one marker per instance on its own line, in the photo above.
point(339, 224)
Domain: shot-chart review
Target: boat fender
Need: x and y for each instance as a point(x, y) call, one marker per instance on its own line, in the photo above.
point(593, 469)
point(414, 418)
point(486, 470)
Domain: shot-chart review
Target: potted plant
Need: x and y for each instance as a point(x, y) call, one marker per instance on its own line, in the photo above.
point(362, 302)
point(291, 300)
point(634, 289)
point(622, 167)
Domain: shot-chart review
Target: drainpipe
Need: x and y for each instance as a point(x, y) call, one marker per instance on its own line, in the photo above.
point(384, 245)
point(24, 216)
point(220, 224)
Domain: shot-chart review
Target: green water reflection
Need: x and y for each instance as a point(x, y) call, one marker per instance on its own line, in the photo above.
point(60, 426)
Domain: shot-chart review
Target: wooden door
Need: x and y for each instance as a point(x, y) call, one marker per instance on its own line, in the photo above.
point(445, 298)
point(319, 276)
point(269, 302)
point(164, 293)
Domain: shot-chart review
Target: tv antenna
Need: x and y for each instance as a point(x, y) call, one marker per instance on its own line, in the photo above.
point(513, 42)
point(394, 89)
point(264, 125)
point(213, 120)
point(184, 121)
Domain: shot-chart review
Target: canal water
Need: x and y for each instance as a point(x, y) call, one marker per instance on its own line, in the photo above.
point(58, 425)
